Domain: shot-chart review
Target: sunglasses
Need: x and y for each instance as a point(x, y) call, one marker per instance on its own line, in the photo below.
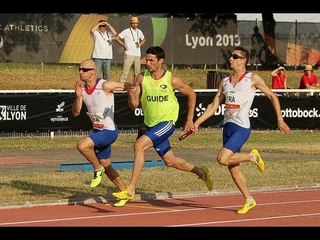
point(85, 69)
point(235, 56)
point(281, 69)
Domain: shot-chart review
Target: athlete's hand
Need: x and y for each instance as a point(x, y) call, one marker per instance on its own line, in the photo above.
point(78, 89)
point(283, 127)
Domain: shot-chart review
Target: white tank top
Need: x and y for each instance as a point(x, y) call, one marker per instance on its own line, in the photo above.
point(238, 100)
point(100, 107)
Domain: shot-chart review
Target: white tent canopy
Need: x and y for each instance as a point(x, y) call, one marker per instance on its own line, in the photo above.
point(282, 17)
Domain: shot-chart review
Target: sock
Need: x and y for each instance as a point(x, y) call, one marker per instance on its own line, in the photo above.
point(253, 157)
point(198, 171)
point(249, 199)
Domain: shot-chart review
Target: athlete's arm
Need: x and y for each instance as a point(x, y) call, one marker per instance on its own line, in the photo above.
point(77, 103)
point(186, 90)
point(260, 84)
point(211, 108)
point(110, 86)
point(134, 92)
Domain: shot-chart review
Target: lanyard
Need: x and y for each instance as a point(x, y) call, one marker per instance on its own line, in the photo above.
point(133, 36)
point(103, 36)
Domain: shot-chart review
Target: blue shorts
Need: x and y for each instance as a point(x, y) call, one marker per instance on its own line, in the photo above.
point(234, 136)
point(159, 135)
point(102, 140)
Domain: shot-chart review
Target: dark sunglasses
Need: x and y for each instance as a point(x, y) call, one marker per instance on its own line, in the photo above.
point(85, 69)
point(235, 56)
point(281, 69)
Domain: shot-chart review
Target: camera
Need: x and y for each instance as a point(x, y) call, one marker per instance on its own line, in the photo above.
point(137, 45)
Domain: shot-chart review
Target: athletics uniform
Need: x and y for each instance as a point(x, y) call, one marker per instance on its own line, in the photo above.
point(161, 108)
point(101, 112)
point(238, 101)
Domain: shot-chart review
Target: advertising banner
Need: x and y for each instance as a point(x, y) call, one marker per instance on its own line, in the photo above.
point(65, 38)
point(36, 112)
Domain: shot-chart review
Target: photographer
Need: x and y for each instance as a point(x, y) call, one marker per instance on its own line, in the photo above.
point(131, 39)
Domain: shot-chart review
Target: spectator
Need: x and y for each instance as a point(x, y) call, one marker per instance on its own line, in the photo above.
point(131, 39)
point(279, 78)
point(309, 80)
point(257, 46)
point(102, 47)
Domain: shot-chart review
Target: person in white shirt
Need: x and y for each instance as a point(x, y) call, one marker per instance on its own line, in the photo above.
point(237, 92)
point(131, 39)
point(98, 96)
point(102, 53)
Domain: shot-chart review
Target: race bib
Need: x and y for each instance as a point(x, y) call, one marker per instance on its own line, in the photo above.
point(233, 102)
point(97, 120)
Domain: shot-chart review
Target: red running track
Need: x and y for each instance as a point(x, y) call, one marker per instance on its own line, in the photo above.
point(287, 208)
point(294, 213)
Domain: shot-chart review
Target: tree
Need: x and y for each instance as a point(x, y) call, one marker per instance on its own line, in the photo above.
point(269, 25)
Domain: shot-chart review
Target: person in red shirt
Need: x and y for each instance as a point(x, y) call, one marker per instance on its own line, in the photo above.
point(309, 80)
point(279, 78)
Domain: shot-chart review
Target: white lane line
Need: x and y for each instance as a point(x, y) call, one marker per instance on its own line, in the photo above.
point(246, 220)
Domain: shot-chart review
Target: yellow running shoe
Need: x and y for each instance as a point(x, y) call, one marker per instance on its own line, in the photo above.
point(123, 195)
point(258, 160)
point(121, 203)
point(247, 206)
point(207, 178)
point(97, 176)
